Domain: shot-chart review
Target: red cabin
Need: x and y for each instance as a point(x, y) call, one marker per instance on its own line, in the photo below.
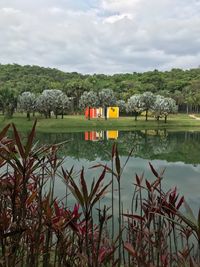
point(93, 113)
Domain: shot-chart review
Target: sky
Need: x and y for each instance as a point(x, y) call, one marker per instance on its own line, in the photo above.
point(101, 36)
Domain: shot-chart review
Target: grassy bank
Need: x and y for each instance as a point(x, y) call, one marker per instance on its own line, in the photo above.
point(79, 123)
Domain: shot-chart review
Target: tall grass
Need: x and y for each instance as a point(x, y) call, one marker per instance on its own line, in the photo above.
point(37, 229)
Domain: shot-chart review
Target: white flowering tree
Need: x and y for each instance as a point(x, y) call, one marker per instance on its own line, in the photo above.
point(148, 100)
point(27, 103)
point(62, 104)
point(158, 106)
point(41, 106)
point(89, 99)
point(163, 106)
point(135, 105)
point(52, 100)
point(45, 103)
point(169, 107)
point(107, 98)
point(59, 102)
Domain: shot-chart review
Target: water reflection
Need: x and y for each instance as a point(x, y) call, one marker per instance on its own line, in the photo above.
point(101, 135)
point(178, 152)
point(147, 144)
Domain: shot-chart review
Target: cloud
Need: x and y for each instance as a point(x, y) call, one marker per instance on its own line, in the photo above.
point(101, 36)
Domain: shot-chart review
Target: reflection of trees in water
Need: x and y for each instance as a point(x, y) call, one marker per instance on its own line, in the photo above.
point(187, 147)
point(149, 144)
point(77, 147)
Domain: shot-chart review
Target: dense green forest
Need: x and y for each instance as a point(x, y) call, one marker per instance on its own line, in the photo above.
point(182, 85)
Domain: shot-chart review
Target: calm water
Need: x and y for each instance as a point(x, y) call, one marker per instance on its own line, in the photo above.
point(178, 152)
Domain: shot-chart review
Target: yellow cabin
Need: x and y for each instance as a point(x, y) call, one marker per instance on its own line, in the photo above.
point(113, 112)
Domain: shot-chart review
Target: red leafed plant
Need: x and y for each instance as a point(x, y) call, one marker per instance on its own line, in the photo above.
point(40, 230)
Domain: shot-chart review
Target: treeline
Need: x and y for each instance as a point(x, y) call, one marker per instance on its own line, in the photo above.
point(181, 85)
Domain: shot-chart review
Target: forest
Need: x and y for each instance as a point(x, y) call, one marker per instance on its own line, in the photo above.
point(181, 85)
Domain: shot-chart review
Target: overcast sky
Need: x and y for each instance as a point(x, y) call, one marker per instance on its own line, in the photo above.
point(101, 36)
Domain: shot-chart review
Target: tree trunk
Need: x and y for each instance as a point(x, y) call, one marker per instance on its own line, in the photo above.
point(135, 114)
point(28, 116)
point(165, 118)
point(146, 115)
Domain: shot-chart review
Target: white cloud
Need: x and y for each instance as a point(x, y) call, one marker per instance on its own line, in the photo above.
point(120, 5)
point(101, 36)
point(115, 18)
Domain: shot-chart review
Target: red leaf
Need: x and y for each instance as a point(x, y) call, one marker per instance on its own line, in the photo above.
point(130, 249)
point(30, 139)
point(153, 170)
point(4, 131)
point(84, 186)
point(57, 209)
point(18, 142)
point(134, 216)
point(117, 162)
point(113, 150)
point(180, 203)
point(148, 185)
point(31, 198)
point(137, 179)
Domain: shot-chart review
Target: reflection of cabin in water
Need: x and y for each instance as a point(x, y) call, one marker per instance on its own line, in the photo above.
point(112, 135)
point(101, 135)
point(94, 136)
point(112, 113)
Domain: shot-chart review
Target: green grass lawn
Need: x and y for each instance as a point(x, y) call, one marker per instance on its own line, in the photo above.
point(79, 123)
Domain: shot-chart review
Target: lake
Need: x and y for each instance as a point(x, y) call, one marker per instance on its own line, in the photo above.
point(176, 152)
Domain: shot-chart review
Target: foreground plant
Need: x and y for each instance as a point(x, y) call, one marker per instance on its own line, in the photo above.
point(38, 229)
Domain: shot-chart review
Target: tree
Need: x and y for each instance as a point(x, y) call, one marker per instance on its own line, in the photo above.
point(52, 100)
point(89, 99)
point(135, 105)
point(148, 99)
point(163, 106)
point(75, 88)
point(121, 104)
point(45, 103)
point(65, 104)
point(8, 100)
point(107, 98)
point(60, 102)
point(158, 106)
point(169, 106)
point(27, 103)
point(192, 92)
